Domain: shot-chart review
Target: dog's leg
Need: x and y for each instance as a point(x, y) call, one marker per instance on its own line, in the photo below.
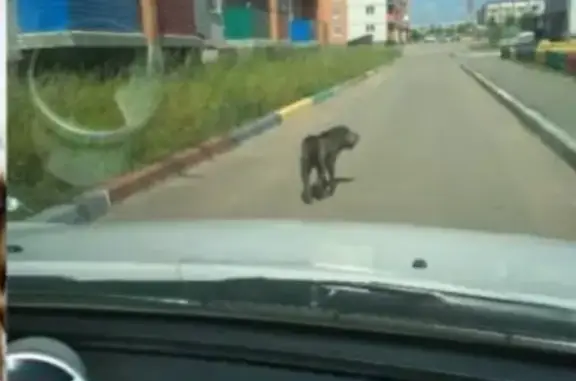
point(305, 170)
point(331, 169)
point(323, 170)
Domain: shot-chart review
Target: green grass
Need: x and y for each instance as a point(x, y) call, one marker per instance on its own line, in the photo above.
point(198, 102)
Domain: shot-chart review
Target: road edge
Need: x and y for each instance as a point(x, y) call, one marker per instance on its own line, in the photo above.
point(551, 135)
point(94, 204)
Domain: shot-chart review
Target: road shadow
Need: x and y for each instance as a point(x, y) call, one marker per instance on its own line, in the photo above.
point(317, 189)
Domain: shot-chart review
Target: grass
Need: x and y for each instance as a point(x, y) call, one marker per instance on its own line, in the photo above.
point(198, 102)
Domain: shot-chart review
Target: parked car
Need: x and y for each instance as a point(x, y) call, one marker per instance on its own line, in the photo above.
point(522, 43)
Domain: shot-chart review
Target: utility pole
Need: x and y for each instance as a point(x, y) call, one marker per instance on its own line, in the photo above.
point(471, 8)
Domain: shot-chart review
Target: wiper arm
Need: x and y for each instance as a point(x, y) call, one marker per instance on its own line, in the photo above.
point(456, 300)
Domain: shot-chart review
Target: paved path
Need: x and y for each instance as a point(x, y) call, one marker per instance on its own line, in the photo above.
point(550, 93)
point(436, 150)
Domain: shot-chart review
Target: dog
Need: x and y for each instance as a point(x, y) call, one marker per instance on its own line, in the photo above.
point(320, 152)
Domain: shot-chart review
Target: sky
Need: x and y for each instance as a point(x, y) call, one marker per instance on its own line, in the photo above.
point(426, 12)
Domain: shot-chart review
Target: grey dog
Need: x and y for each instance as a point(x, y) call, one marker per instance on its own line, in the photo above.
point(320, 152)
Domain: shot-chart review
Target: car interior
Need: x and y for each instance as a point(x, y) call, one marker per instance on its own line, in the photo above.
point(156, 346)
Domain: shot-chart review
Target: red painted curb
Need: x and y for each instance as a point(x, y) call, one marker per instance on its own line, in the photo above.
point(126, 185)
point(215, 146)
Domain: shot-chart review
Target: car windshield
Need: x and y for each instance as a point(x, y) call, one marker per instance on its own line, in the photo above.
point(406, 140)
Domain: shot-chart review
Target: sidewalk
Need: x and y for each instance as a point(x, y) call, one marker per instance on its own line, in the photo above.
point(551, 94)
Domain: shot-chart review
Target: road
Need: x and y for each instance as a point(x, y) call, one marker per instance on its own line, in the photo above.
point(436, 150)
point(552, 94)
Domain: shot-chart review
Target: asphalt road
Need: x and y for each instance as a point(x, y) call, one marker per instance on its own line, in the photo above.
point(436, 150)
point(552, 94)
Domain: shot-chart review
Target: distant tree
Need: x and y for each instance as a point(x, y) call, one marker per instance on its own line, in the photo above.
point(494, 32)
point(510, 21)
point(464, 27)
point(416, 35)
point(528, 21)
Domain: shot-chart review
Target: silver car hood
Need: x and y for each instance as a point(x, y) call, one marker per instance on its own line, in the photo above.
point(511, 267)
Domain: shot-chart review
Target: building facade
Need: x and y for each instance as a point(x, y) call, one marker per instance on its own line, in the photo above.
point(13, 51)
point(500, 10)
point(334, 16)
point(386, 20)
point(398, 20)
point(560, 19)
point(368, 17)
point(558, 16)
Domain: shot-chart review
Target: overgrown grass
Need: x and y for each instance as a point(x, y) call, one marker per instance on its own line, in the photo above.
point(198, 102)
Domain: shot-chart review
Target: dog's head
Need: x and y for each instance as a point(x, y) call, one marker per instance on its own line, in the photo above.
point(351, 139)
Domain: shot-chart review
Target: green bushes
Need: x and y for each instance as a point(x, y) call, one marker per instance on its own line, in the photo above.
point(198, 102)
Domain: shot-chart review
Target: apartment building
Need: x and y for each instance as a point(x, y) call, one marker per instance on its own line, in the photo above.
point(560, 19)
point(500, 10)
point(336, 20)
point(384, 19)
point(368, 17)
point(398, 20)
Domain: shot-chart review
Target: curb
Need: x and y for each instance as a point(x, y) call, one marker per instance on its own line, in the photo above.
point(95, 204)
point(553, 136)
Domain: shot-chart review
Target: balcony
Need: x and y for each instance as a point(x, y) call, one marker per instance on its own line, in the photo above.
point(393, 17)
point(397, 19)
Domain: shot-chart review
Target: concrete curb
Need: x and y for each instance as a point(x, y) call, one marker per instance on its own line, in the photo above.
point(95, 204)
point(553, 136)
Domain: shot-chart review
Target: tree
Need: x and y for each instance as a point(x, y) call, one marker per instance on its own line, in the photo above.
point(416, 35)
point(494, 32)
point(464, 28)
point(528, 21)
point(510, 21)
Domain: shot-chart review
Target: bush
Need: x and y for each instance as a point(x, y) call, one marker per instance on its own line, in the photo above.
point(198, 102)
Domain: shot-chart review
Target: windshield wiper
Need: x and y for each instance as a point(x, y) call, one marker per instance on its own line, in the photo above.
point(282, 298)
point(342, 296)
point(454, 299)
point(367, 307)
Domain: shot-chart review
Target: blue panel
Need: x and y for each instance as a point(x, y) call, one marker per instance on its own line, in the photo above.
point(301, 30)
point(105, 15)
point(86, 15)
point(42, 15)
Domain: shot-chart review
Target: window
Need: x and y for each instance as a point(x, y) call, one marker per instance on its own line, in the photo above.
point(370, 10)
point(370, 28)
point(336, 13)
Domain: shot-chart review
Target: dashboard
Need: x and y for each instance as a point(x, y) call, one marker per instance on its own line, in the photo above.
point(86, 345)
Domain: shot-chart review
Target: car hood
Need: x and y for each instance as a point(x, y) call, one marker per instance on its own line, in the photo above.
point(496, 265)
